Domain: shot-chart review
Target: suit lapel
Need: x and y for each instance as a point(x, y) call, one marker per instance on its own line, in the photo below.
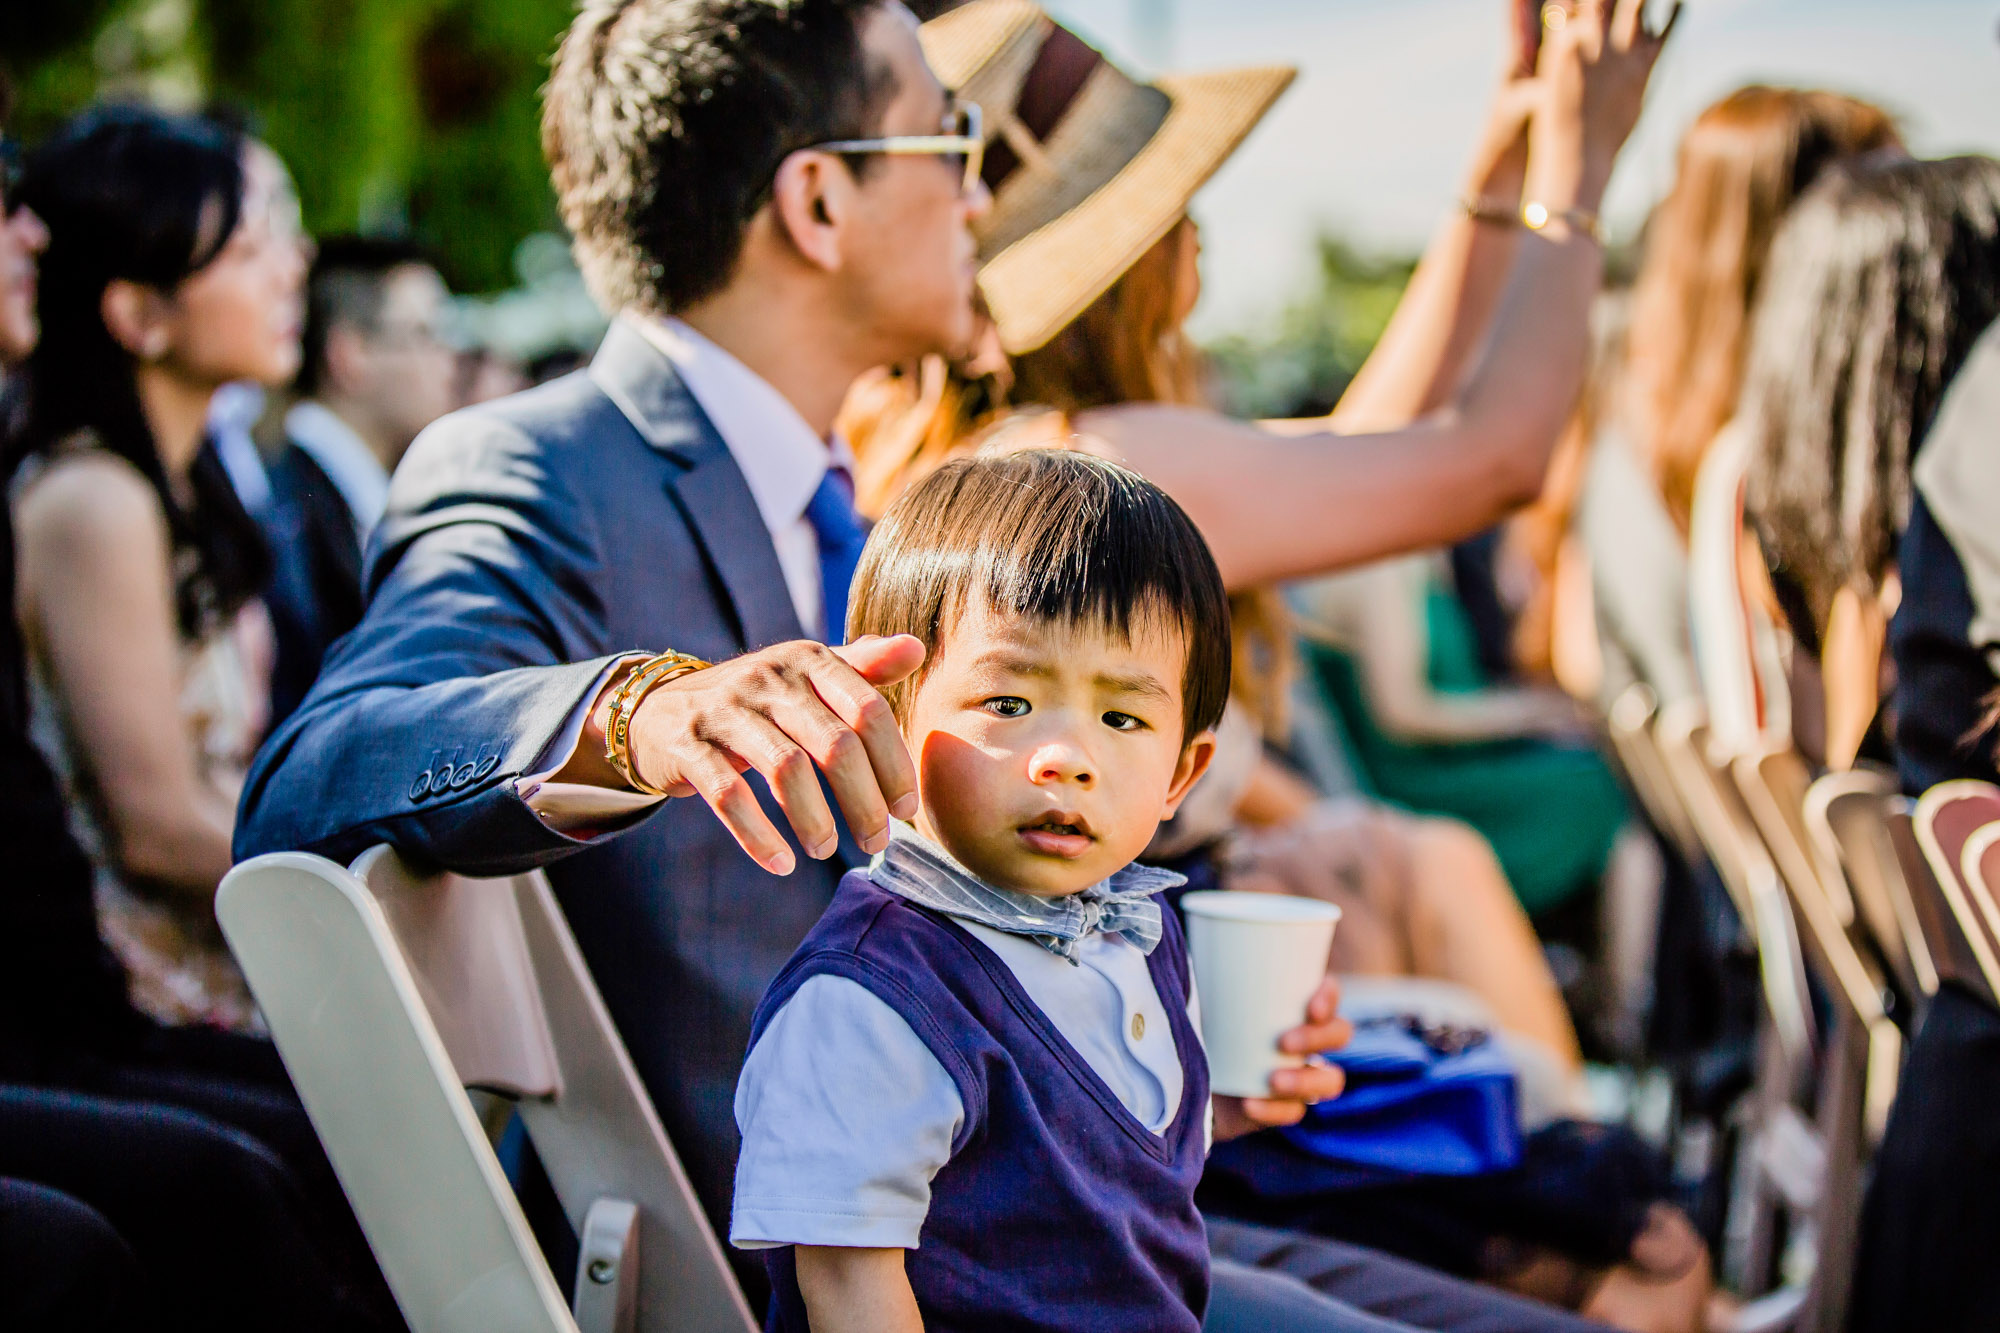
point(706, 486)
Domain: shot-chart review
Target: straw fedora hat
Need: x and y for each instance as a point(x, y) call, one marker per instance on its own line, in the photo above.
point(1088, 169)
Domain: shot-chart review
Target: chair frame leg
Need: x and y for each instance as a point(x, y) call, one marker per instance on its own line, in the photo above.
point(607, 1268)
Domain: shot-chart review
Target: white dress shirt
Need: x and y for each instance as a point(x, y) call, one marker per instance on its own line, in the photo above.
point(232, 413)
point(346, 459)
point(847, 1116)
point(783, 463)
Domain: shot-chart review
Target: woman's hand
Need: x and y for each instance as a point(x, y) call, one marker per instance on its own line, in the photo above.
point(1292, 1090)
point(1500, 158)
point(1595, 60)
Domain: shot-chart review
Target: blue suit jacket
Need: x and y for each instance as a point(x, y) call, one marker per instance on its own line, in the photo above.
point(528, 542)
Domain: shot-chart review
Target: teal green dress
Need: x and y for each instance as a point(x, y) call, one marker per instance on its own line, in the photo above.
point(1551, 811)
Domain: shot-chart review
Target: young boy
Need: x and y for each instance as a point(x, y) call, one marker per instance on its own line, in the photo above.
point(976, 1097)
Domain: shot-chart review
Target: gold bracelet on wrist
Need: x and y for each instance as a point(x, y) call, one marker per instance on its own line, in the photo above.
point(625, 700)
point(1494, 211)
point(1537, 217)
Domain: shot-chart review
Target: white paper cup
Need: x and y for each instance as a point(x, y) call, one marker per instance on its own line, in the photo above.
point(1257, 957)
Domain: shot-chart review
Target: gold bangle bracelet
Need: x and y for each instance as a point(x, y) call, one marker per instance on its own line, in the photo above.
point(1537, 217)
point(625, 700)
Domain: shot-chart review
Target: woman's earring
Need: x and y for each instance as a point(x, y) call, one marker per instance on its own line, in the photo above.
point(155, 346)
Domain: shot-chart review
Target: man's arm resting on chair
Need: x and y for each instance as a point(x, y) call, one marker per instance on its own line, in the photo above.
point(851, 1290)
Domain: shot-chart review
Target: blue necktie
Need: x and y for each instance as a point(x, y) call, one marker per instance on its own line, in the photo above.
point(841, 536)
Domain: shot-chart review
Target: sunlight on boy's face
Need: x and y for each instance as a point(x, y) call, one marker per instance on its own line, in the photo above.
point(1047, 755)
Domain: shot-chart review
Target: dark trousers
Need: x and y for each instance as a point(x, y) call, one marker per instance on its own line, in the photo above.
point(1930, 1226)
point(63, 1267)
point(219, 1227)
point(222, 1085)
point(1273, 1281)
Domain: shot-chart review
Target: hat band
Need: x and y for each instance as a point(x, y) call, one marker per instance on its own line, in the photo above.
point(1062, 68)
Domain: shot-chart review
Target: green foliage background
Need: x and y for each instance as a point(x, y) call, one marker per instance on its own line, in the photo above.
point(1301, 362)
point(420, 118)
point(415, 117)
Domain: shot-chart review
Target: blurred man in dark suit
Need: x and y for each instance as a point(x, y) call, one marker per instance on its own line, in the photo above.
point(376, 371)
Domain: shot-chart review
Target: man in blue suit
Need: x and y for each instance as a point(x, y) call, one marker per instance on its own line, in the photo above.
point(775, 197)
point(674, 496)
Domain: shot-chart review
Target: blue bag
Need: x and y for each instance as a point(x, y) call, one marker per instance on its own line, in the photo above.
point(1425, 1101)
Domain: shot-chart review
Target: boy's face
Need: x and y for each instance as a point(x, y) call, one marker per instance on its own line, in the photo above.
point(1047, 755)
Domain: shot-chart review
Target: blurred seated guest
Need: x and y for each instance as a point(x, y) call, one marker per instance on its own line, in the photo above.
point(170, 274)
point(1741, 165)
point(374, 371)
point(226, 1207)
point(239, 408)
point(1929, 1222)
point(1880, 281)
point(1393, 653)
point(63, 1267)
point(1945, 635)
point(554, 365)
point(484, 374)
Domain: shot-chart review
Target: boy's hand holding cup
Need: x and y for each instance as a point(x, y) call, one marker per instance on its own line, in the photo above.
point(1259, 964)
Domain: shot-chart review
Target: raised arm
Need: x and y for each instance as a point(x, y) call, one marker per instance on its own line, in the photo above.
point(1447, 310)
point(1276, 507)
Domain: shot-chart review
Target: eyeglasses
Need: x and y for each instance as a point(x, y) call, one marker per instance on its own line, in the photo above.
point(962, 140)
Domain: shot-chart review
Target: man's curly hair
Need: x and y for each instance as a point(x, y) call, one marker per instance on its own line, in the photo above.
point(664, 122)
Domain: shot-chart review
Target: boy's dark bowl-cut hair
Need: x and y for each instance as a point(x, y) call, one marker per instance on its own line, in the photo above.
point(664, 122)
point(1053, 535)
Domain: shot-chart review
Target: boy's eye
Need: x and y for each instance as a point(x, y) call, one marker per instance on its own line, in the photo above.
point(1007, 705)
point(1123, 722)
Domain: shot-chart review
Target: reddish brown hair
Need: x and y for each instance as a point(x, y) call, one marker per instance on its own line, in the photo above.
point(1741, 165)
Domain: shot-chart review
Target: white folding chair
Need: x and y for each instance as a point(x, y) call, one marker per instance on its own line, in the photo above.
point(1630, 727)
point(1861, 1057)
point(1947, 817)
point(389, 993)
point(1850, 819)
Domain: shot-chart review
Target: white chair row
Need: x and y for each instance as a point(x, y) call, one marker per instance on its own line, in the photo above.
point(389, 994)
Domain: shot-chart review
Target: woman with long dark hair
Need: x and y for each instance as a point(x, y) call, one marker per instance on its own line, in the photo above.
point(1880, 286)
point(187, 1140)
point(1673, 375)
point(175, 268)
point(1880, 282)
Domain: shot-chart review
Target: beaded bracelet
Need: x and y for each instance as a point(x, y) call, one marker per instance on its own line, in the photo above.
point(625, 701)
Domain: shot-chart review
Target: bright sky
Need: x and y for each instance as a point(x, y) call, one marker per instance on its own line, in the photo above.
point(1372, 137)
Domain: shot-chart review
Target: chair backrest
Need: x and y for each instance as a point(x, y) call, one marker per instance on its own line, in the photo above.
point(1980, 864)
point(1630, 726)
point(372, 1069)
point(1848, 817)
point(597, 1133)
point(1735, 642)
point(489, 968)
point(1749, 874)
point(1859, 1059)
point(1946, 818)
point(1774, 786)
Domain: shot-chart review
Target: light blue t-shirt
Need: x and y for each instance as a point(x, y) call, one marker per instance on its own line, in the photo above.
point(846, 1115)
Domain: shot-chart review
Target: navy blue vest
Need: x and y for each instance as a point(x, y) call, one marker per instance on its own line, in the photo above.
point(1058, 1210)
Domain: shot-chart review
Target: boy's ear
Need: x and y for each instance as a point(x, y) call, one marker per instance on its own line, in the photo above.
point(1193, 763)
